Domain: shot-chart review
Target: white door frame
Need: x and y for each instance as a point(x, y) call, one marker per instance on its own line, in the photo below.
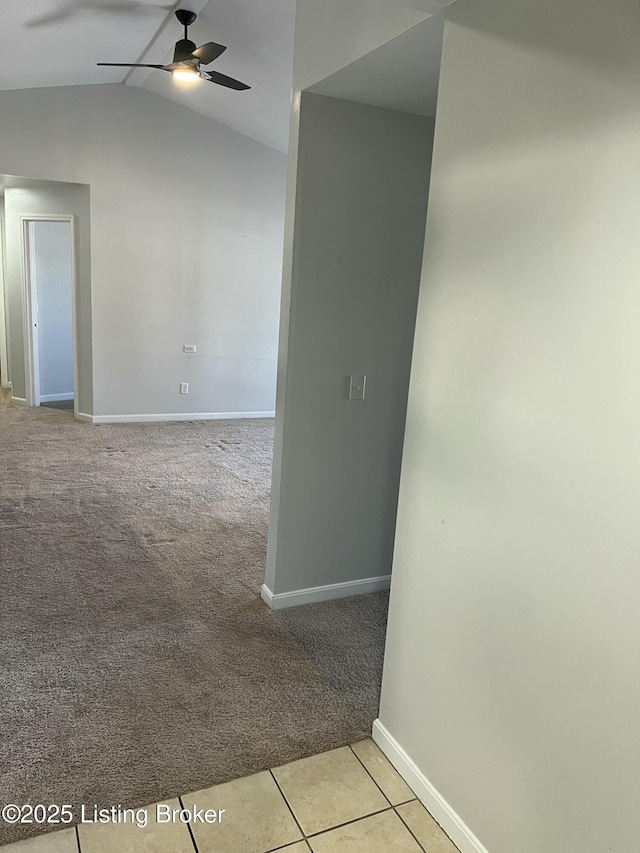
point(32, 364)
point(4, 337)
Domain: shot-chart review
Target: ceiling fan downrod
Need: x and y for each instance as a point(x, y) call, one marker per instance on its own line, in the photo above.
point(185, 47)
point(186, 18)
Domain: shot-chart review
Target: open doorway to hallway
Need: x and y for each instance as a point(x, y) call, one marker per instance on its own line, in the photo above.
point(363, 153)
point(46, 337)
point(49, 284)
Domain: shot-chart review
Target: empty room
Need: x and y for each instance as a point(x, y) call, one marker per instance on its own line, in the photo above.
point(319, 426)
point(143, 224)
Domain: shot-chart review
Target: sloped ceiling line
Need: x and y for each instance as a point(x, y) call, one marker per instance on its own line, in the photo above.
point(426, 5)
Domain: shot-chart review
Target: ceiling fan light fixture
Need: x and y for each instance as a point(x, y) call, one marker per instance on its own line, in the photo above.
point(187, 59)
point(185, 75)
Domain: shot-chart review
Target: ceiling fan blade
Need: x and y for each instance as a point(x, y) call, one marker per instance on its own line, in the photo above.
point(129, 65)
point(70, 8)
point(206, 53)
point(223, 80)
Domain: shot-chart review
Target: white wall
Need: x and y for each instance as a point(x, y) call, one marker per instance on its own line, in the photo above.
point(44, 200)
point(329, 36)
point(326, 40)
point(187, 222)
point(363, 176)
point(53, 278)
point(511, 673)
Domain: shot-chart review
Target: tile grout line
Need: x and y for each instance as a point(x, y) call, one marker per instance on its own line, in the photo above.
point(349, 822)
point(413, 799)
point(77, 838)
point(395, 808)
point(289, 845)
point(282, 794)
point(193, 840)
point(409, 830)
point(404, 802)
point(306, 837)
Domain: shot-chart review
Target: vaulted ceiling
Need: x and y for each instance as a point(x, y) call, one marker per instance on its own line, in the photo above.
point(402, 74)
point(58, 43)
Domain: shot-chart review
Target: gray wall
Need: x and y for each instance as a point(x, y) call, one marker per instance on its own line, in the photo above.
point(362, 184)
point(329, 36)
point(53, 277)
point(4, 349)
point(511, 673)
point(187, 223)
point(54, 199)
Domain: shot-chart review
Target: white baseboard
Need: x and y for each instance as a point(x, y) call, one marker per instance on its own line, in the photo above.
point(6, 385)
point(18, 401)
point(53, 398)
point(178, 416)
point(80, 416)
point(436, 805)
point(278, 601)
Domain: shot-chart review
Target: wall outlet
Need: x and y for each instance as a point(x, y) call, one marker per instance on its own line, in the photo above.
point(184, 387)
point(188, 348)
point(357, 386)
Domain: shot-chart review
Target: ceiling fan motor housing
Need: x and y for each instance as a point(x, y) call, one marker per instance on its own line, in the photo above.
point(184, 49)
point(185, 17)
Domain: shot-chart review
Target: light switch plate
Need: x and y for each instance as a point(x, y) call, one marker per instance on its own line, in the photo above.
point(357, 385)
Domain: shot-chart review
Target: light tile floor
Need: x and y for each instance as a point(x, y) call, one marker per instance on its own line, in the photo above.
point(349, 800)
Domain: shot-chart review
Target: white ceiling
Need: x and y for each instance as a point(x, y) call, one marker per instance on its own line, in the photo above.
point(402, 74)
point(58, 42)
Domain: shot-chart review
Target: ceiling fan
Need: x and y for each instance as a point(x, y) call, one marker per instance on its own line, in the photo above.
point(187, 59)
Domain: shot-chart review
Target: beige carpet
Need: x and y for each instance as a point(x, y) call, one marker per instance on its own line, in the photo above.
point(137, 660)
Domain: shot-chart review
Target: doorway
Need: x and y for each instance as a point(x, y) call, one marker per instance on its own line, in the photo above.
point(363, 161)
point(49, 275)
